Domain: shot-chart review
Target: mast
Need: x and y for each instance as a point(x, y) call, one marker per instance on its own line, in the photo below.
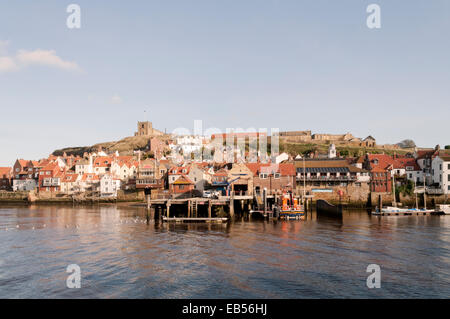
point(424, 191)
point(304, 180)
point(393, 187)
point(415, 192)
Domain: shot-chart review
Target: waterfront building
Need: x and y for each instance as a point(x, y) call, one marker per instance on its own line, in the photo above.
point(240, 177)
point(440, 168)
point(182, 187)
point(109, 186)
point(150, 175)
point(328, 173)
point(5, 178)
point(89, 182)
point(69, 183)
point(379, 166)
point(50, 178)
point(276, 178)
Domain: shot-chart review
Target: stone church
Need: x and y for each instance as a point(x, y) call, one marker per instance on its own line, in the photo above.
point(146, 129)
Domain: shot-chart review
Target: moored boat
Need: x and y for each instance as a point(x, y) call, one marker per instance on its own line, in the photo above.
point(390, 210)
point(443, 209)
point(291, 208)
point(325, 208)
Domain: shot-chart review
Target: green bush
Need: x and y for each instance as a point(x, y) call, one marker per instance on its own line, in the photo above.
point(405, 189)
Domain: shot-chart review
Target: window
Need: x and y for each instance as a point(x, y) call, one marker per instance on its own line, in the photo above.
point(262, 175)
point(448, 177)
point(276, 175)
point(448, 166)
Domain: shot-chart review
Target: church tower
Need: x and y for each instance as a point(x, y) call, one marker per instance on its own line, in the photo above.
point(332, 151)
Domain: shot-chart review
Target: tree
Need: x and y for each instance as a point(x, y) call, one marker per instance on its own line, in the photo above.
point(407, 144)
point(447, 147)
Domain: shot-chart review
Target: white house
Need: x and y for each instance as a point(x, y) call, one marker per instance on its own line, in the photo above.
point(24, 184)
point(69, 183)
point(196, 175)
point(124, 170)
point(109, 186)
point(440, 171)
point(84, 166)
point(89, 182)
point(332, 151)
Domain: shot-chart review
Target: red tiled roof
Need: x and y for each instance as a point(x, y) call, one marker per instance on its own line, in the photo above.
point(178, 170)
point(50, 167)
point(102, 161)
point(89, 177)
point(5, 171)
point(183, 179)
point(69, 178)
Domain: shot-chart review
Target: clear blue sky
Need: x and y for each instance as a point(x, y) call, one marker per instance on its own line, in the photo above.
point(295, 65)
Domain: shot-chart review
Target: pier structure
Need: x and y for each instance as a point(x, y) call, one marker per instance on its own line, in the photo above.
point(219, 209)
point(199, 209)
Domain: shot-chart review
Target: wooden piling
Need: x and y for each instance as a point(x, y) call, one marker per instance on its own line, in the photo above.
point(209, 208)
point(232, 204)
point(168, 208)
point(189, 208)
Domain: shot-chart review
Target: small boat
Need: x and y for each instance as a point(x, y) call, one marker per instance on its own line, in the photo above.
point(291, 208)
point(325, 208)
point(443, 209)
point(390, 210)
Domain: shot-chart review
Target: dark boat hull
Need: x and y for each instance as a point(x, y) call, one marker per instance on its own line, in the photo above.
point(327, 209)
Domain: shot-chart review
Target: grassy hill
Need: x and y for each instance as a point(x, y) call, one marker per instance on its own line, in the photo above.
point(125, 146)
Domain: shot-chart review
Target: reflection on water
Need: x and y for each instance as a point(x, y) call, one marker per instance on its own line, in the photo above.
point(121, 255)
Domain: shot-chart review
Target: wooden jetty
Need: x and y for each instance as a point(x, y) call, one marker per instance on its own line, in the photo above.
point(195, 219)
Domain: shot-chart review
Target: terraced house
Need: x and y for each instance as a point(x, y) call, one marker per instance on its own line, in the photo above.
point(5, 178)
point(276, 178)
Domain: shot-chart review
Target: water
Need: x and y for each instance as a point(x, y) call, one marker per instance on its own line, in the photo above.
point(122, 256)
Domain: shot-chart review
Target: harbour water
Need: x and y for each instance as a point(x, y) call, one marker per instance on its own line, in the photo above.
point(122, 256)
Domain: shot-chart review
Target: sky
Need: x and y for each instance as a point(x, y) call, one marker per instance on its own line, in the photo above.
point(293, 65)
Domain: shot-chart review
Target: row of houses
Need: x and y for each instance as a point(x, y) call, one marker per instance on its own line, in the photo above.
point(105, 174)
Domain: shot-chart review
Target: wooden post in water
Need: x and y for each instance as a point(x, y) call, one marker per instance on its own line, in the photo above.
point(380, 202)
point(209, 208)
point(232, 205)
point(189, 208)
point(265, 200)
point(168, 208)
